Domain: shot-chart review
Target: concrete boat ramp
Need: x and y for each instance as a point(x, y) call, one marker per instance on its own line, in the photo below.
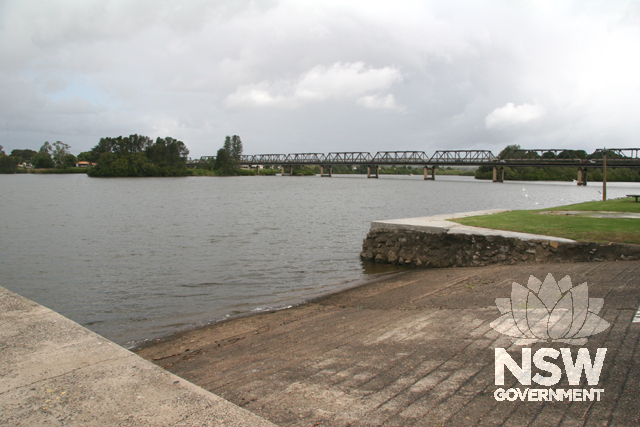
point(54, 372)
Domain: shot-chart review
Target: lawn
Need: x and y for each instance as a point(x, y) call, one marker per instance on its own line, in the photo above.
point(620, 230)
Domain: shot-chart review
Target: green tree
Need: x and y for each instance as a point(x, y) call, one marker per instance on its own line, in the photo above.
point(69, 161)
point(85, 156)
point(60, 153)
point(43, 159)
point(8, 164)
point(46, 147)
point(228, 157)
point(223, 161)
point(236, 148)
point(509, 151)
point(169, 155)
point(231, 162)
point(227, 144)
point(24, 155)
point(138, 155)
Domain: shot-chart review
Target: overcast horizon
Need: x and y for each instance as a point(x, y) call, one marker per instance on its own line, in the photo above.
point(302, 76)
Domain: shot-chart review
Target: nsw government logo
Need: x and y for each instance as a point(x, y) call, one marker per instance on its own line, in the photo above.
point(550, 312)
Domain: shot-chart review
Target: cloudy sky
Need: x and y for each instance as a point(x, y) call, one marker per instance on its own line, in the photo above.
point(320, 76)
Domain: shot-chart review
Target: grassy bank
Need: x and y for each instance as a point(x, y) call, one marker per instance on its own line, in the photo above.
point(620, 230)
point(57, 171)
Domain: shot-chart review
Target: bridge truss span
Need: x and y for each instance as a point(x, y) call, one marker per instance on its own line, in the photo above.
point(616, 157)
point(263, 159)
point(621, 157)
point(349, 158)
point(463, 157)
point(629, 153)
point(304, 159)
point(401, 158)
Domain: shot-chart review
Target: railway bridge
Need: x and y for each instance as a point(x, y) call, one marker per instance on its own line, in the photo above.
point(601, 158)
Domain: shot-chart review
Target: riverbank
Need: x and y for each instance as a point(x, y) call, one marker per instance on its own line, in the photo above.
point(413, 349)
point(441, 241)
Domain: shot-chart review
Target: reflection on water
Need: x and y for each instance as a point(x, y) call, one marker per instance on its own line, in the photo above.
point(137, 258)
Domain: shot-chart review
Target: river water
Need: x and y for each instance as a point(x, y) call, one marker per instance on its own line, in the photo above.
point(135, 259)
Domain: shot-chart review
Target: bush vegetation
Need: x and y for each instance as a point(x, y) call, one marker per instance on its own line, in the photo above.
point(138, 156)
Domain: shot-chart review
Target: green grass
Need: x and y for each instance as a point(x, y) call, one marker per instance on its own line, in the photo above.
point(59, 171)
point(615, 205)
point(620, 230)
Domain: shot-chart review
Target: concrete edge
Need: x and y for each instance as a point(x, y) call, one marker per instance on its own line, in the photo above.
point(55, 370)
point(437, 224)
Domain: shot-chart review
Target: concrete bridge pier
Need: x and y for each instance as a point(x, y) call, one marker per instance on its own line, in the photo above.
point(582, 176)
point(329, 168)
point(370, 174)
point(430, 175)
point(284, 173)
point(498, 174)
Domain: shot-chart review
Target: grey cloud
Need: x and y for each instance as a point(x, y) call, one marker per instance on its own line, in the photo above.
point(446, 73)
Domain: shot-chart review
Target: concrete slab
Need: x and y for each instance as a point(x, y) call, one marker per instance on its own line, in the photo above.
point(54, 372)
point(441, 224)
point(416, 349)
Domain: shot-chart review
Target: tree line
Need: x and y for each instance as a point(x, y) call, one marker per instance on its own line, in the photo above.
point(137, 156)
point(140, 156)
point(556, 173)
point(49, 156)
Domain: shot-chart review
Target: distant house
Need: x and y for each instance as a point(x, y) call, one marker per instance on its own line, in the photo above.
point(85, 164)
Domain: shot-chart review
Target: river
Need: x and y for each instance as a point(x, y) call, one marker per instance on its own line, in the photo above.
point(136, 259)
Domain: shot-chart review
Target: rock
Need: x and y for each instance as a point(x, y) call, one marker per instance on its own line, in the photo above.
point(442, 250)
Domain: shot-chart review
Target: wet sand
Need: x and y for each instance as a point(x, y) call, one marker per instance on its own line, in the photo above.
point(412, 349)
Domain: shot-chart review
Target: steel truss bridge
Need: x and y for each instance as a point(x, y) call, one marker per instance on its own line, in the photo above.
point(615, 157)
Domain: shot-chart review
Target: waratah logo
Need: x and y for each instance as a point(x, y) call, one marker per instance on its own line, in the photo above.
point(550, 311)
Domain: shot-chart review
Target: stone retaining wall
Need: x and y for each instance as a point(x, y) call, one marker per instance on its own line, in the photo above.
point(409, 247)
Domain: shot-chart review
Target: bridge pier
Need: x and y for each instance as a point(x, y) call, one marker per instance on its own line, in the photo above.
point(370, 174)
point(322, 169)
point(290, 173)
point(582, 176)
point(498, 174)
point(433, 173)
